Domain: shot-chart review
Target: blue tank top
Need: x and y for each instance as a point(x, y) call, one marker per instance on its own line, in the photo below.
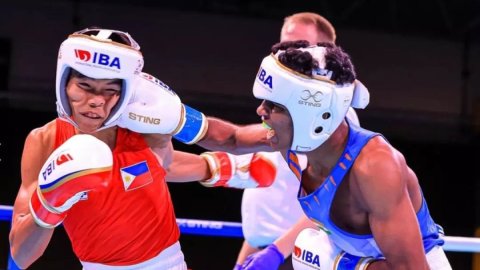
point(317, 204)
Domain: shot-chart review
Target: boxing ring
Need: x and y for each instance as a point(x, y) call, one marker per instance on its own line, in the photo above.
point(234, 229)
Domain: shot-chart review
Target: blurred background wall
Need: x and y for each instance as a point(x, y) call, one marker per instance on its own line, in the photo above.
point(419, 59)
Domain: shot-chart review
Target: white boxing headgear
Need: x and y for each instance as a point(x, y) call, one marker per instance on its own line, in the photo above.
point(93, 53)
point(316, 104)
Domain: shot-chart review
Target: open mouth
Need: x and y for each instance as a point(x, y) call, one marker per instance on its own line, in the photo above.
point(270, 130)
point(91, 115)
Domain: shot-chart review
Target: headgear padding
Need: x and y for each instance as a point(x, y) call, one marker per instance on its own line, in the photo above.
point(361, 96)
point(316, 104)
point(98, 57)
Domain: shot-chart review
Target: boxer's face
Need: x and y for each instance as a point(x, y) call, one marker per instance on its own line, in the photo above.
point(279, 122)
point(92, 100)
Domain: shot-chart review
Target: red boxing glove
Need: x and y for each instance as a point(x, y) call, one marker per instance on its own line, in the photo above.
point(239, 171)
point(81, 164)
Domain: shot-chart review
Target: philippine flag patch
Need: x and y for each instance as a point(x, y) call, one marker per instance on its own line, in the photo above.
point(136, 176)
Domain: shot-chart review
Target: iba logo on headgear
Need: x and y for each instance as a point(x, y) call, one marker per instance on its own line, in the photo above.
point(306, 257)
point(98, 58)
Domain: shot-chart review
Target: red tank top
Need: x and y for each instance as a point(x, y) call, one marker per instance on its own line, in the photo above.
point(130, 221)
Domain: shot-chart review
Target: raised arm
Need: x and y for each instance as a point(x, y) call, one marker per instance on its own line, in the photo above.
point(48, 195)
point(28, 241)
point(226, 136)
point(222, 135)
point(187, 167)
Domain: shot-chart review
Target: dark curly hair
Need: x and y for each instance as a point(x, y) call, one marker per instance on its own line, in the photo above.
point(336, 60)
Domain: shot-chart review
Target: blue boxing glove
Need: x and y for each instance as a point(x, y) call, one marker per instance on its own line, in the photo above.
point(237, 267)
point(269, 258)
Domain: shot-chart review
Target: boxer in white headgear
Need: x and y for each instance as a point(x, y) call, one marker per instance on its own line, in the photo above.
point(356, 186)
point(94, 54)
point(146, 104)
point(316, 104)
point(268, 213)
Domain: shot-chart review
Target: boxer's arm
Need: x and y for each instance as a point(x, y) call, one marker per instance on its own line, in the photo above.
point(245, 251)
point(28, 241)
point(187, 167)
point(274, 255)
point(226, 136)
point(221, 169)
point(382, 183)
point(179, 166)
point(286, 242)
point(81, 164)
point(156, 109)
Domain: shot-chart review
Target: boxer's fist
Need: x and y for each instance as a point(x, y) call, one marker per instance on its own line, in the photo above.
point(81, 164)
point(155, 108)
point(314, 250)
point(239, 171)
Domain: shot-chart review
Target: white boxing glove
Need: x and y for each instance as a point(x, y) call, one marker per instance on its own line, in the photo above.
point(155, 108)
point(239, 171)
point(315, 250)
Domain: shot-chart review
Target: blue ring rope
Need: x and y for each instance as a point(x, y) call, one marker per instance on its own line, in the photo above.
point(234, 229)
